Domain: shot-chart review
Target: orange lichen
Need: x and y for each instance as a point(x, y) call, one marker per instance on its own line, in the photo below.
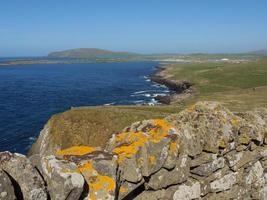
point(191, 108)
point(152, 159)
point(133, 141)
point(123, 189)
point(173, 147)
point(76, 151)
point(96, 181)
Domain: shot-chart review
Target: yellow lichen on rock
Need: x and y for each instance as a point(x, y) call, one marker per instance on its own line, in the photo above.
point(96, 181)
point(221, 143)
point(152, 159)
point(123, 189)
point(235, 121)
point(191, 108)
point(173, 147)
point(130, 142)
point(76, 151)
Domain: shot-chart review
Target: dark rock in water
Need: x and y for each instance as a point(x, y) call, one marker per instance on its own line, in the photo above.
point(163, 99)
point(204, 152)
point(179, 90)
point(173, 85)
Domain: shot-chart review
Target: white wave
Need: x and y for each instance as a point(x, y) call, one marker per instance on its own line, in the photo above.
point(138, 101)
point(159, 94)
point(152, 102)
point(109, 104)
point(31, 138)
point(147, 95)
point(140, 92)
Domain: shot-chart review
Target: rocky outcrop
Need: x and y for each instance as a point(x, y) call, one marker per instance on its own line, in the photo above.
point(179, 90)
point(204, 152)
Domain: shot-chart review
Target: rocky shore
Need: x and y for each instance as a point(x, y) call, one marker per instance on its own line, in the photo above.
point(204, 152)
point(179, 90)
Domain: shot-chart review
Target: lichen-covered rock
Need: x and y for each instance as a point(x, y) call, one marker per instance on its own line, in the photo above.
point(62, 178)
point(226, 182)
point(235, 192)
point(99, 169)
point(206, 126)
point(149, 147)
point(239, 159)
point(24, 174)
point(187, 191)
point(164, 178)
point(202, 159)
point(255, 173)
point(208, 168)
point(6, 187)
point(152, 195)
point(130, 171)
point(126, 189)
point(256, 126)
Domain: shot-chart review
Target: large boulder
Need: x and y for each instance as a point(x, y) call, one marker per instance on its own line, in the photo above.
point(145, 144)
point(24, 175)
point(99, 169)
point(164, 178)
point(63, 180)
point(6, 187)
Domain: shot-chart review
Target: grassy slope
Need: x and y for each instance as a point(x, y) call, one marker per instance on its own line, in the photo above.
point(232, 84)
point(94, 125)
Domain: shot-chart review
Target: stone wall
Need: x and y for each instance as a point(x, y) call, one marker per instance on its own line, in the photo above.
point(203, 152)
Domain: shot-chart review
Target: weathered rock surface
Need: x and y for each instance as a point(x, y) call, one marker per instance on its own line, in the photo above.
point(29, 183)
point(62, 178)
point(6, 187)
point(203, 152)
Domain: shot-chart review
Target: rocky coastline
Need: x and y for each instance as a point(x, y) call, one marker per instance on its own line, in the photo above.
point(179, 90)
point(203, 152)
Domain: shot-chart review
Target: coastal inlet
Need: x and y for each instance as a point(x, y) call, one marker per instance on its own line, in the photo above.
point(31, 94)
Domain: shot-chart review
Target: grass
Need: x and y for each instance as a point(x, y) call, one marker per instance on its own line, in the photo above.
point(240, 86)
point(93, 126)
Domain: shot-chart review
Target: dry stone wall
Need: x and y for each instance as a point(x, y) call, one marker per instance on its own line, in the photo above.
point(204, 152)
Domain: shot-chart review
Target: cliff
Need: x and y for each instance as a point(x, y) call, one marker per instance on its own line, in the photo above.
point(203, 152)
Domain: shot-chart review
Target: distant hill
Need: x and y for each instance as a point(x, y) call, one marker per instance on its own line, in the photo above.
point(91, 53)
point(259, 52)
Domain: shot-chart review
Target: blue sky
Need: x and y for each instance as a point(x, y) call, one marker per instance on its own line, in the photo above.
point(34, 28)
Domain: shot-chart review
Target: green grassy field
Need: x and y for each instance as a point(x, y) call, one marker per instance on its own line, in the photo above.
point(240, 86)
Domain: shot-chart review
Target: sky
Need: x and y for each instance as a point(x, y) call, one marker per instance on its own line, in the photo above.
point(35, 28)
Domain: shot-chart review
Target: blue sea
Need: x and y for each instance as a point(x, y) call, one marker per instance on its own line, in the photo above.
point(30, 94)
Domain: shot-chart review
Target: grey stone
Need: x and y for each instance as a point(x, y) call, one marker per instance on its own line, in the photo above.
point(164, 178)
point(202, 159)
point(21, 170)
point(187, 191)
point(208, 168)
point(226, 182)
point(239, 159)
point(152, 195)
point(6, 187)
point(63, 180)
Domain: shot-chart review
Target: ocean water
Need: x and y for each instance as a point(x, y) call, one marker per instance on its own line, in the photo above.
point(30, 94)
